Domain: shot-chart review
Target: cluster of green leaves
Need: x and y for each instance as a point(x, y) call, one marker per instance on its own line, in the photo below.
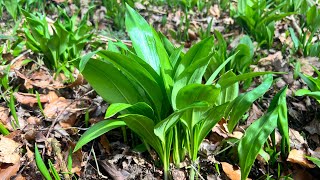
point(116, 11)
point(258, 19)
point(313, 84)
point(303, 41)
point(241, 59)
point(158, 93)
point(61, 43)
point(13, 7)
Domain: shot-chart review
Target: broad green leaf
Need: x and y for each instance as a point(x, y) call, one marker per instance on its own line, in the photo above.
point(40, 164)
point(210, 119)
point(141, 108)
point(313, 18)
point(139, 75)
point(145, 41)
point(144, 127)
point(280, 101)
point(242, 103)
point(229, 81)
point(195, 53)
point(229, 93)
point(314, 85)
point(97, 130)
point(191, 75)
point(315, 161)
point(193, 93)
point(217, 71)
point(306, 92)
point(110, 83)
point(12, 7)
point(115, 108)
point(255, 137)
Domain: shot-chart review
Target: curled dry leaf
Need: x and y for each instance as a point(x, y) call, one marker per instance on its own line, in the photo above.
point(232, 172)
point(9, 150)
point(31, 99)
point(298, 157)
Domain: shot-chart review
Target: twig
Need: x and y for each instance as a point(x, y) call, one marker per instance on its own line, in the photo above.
point(95, 160)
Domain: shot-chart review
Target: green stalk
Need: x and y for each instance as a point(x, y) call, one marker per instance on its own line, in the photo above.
point(176, 149)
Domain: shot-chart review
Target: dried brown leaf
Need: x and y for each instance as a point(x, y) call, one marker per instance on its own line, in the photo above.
point(9, 170)
point(9, 150)
point(231, 171)
point(298, 157)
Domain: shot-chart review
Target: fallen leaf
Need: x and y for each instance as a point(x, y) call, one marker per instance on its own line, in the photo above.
point(9, 170)
point(31, 99)
point(296, 140)
point(9, 150)
point(4, 115)
point(215, 11)
point(64, 109)
point(313, 127)
point(298, 157)
point(307, 63)
point(231, 171)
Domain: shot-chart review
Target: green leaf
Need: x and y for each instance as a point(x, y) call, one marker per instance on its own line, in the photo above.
point(97, 130)
point(115, 108)
point(195, 53)
point(40, 164)
point(138, 74)
point(294, 38)
point(306, 92)
point(229, 81)
point(110, 83)
point(144, 127)
point(141, 108)
point(193, 93)
point(210, 119)
point(255, 136)
point(162, 128)
point(315, 161)
point(53, 171)
point(12, 7)
point(229, 93)
point(192, 67)
point(220, 67)
point(146, 43)
point(242, 103)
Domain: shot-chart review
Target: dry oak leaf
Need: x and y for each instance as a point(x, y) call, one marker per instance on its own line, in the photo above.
point(9, 150)
point(298, 157)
